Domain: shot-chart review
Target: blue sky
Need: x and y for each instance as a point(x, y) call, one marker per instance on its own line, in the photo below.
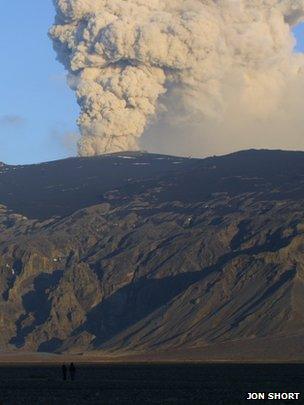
point(37, 109)
point(299, 33)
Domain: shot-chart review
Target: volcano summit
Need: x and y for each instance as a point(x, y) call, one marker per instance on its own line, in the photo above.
point(152, 255)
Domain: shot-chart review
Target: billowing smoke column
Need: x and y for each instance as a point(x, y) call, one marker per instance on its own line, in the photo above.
point(123, 55)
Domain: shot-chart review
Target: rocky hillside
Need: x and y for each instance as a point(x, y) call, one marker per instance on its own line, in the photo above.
point(140, 253)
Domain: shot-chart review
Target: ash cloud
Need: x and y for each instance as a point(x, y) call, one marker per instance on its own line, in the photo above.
point(66, 139)
point(202, 75)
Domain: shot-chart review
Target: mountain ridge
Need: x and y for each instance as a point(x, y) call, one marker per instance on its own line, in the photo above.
point(172, 254)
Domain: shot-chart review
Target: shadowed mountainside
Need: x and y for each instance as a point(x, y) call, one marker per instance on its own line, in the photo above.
point(139, 253)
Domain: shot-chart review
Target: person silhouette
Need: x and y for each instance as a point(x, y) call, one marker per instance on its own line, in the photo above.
point(72, 371)
point(64, 372)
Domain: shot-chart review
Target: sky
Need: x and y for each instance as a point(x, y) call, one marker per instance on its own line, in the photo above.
point(38, 111)
point(299, 34)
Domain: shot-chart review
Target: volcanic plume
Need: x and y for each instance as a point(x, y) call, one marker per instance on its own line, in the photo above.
point(212, 61)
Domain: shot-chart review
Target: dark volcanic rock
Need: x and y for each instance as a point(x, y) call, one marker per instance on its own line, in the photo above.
point(145, 253)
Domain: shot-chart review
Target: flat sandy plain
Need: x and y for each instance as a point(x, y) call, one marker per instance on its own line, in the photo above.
point(40, 382)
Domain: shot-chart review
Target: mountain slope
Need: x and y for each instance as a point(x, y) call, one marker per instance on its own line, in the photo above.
point(139, 253)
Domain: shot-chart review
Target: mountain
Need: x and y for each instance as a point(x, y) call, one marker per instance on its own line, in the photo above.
point(155, 256)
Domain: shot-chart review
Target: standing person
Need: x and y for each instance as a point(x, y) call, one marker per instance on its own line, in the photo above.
point(72, 370)
point(64, 372)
